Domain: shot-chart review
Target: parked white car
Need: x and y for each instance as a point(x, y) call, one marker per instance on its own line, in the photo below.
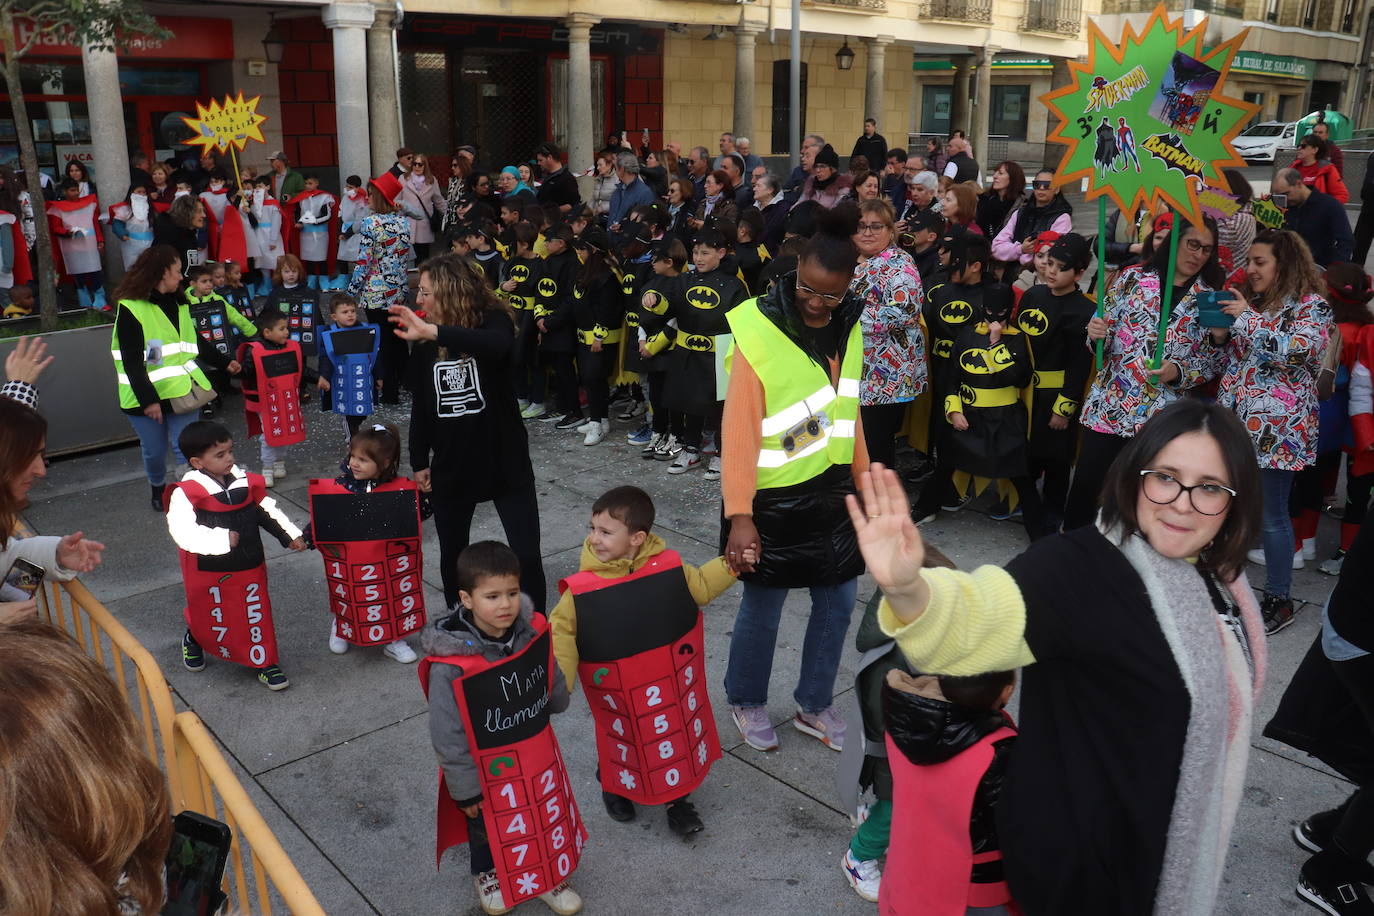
point(1262, 142)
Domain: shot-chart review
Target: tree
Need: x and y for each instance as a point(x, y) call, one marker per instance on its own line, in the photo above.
point(101, 23)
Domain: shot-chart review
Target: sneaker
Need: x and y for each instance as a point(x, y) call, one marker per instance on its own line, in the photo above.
point(585, 426)
point(279, 469)
point(522, 404)
point(1329, 883)
point(549, 416)
point(489, 893)
point(192, 655)
point(688, 459)
point(337, 644)
point(669, 450)
point(563, 900)
point(1002, 513)
point(754, 727)
point(863, 874)
point(825, 725)
point(957, 503)
point(641, 436)
point(570, 421)
point(533, 412)
point(273, 677)
point(928, 516)
point(401, 651)
point(1312, 836)
point(651, 449)
point(1309, 548)
point(208, 412)
point(861, 813)
point(683, 818)
point(708, 444)
point(1256, 556)
point(618, 807)
point(1278, 613)
point(921, 472)
point(268, 478)
point(596, 432)
point(1332, 567)
point(633, 410)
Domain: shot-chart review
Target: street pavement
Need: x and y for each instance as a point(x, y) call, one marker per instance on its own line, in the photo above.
point(341, 766)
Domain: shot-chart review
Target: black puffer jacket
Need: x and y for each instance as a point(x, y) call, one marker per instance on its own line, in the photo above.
point(929, 729)
point(804, 529)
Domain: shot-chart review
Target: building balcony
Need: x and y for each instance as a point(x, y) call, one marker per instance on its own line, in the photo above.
point(1062, 17)
point(957, 10)
point(853, 6)
point(1209, 7)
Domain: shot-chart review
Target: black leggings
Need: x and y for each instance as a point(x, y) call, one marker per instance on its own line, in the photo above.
point(689, 427)
point(1096, 452)
point(660, 414)
point(529, 375)
point(565, 381)
point(1351, 825)
point(518, 509)
point(479, 847)
point(881, 423)
point(1055, 491)
point(594, 370)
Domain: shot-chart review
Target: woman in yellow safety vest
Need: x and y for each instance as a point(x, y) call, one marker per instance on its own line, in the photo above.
point(157, 357)
point(792, 442)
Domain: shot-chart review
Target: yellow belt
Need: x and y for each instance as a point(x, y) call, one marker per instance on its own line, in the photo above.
point(606, 337)
point(697, 343)
point(1054, 378)
point(988, 397)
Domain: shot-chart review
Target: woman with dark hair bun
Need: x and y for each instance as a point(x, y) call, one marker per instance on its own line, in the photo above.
point(1143, 653)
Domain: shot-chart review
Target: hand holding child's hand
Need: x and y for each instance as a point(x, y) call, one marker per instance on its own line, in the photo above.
point(596, 345)
point(1058, 422)
point(322, 384)
point(234, 367)
point(958, 421)
point(233, 539)
point(422, 480)
point(298, 544)
point(472, 810)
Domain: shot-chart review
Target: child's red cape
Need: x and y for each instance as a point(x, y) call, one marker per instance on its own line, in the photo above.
point(228, 241)
point(55, 225)
point(292, 233)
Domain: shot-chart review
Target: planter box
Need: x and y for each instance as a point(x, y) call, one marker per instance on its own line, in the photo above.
point(77, 393)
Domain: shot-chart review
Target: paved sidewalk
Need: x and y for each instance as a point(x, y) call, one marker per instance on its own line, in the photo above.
point(342, 768)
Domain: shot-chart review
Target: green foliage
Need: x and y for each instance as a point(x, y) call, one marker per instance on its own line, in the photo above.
point(103, 23)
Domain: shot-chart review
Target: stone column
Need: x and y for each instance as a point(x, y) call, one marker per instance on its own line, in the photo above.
point(348, 21)
point(958, 97)
point(745, 35)
point(106, 109)
point(1059, 76)
point(873, 80)
point(982, 104)
point(383, 105)
point(581, 138)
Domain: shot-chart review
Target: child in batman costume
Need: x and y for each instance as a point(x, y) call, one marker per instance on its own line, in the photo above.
point(630, 625)
point(661, 289)
point(989, 364)
point(598, 310)
point(520, 286)
point(1053, 318)
point(556, 324)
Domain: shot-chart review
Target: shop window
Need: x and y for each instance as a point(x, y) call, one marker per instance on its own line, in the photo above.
point(425, 106)
point(558, 103)
point(781, 140)
point(935, 106)
point(1010, 109)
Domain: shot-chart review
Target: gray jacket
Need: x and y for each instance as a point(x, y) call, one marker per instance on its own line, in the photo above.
point(456, 635)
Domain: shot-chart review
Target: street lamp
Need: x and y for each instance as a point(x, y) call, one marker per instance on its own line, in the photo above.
point(274, 42)
point(844, 58)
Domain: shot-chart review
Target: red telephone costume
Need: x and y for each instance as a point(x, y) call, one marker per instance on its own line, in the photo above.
point(533, 825)
point(930, 858)
point(227, 238)
point(276, 396)
point(370, 543)
point(291, 233)
point(642, 664)
point(63, 215)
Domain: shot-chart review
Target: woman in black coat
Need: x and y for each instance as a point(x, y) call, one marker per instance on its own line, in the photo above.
point(467, 441)
point(183, 228)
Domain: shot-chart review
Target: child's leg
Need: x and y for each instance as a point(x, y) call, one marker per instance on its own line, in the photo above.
point(871, 839)
point(1357, 489)
point(479, 848)
point(659, 420)
point(1055, 491)
point(592, 368)
point(1032, 509)
point(267, 453)
point(691, 430)
point(353, 422)
point(565, 375)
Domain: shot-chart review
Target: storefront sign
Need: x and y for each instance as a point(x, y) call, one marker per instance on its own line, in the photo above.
point(1254, 62)
point(998, 63)
point(83, 154)
point(190, 39)
point(522, 33)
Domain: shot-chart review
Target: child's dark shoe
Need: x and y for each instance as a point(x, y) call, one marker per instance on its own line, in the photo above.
point(192, 655)
point(273, 677)
point(683, 818)
point(618, 807)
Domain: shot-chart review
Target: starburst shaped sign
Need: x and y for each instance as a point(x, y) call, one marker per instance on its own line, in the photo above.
point(1147, 120)
point(232, 124)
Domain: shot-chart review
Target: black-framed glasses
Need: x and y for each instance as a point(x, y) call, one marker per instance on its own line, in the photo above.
point(1195, 245)
point(1042, 185)
point(871, 228)
point(1162, 489)
point(826, 298)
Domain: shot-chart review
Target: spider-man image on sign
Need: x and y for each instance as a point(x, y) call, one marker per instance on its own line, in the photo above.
point(1186, 87)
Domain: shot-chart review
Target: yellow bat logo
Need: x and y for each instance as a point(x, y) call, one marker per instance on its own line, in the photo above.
point(976, 361)
point(703, 297)
point(966, 394)
point(519, 273)
point(956, 311)
point(1001, 357)
point(1034, 322)
point(627, 285)
point(547, 287)
point(943, 347)
point(699, 342)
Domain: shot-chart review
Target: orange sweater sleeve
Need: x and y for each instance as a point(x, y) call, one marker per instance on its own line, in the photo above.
point(742, 434)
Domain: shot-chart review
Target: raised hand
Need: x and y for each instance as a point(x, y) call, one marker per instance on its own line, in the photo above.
point(889, 541)
point(27, 360)
point(76, 553)
point(410, 326)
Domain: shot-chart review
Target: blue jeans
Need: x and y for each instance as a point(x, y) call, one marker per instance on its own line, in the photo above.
point(1278, 531)
point(154, 437)
point(756, 635)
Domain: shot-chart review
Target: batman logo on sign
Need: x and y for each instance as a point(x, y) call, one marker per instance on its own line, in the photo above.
point(1034, 322)
point(956, 311)
point(976, 361)
point(519, 273)
point(547, 287)
point(652, 301)
point(703, 297)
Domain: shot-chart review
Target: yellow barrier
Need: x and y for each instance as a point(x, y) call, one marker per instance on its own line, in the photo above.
point(198, 776)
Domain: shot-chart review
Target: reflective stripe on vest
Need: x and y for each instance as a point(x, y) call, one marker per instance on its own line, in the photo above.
point(175, 369)
point(810, 424)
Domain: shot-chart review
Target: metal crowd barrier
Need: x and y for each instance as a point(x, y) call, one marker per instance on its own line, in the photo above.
point(198, 776)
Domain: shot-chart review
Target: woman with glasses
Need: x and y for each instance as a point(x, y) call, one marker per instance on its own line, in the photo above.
point(1273, 351)
point(1046, 210)
point(894, 373)
point(420, 194)
point(1127, 390)
point(1143, 654)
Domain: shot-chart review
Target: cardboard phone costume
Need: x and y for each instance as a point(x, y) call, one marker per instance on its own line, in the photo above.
point(20, 274)
point(77, 228)
point(299, 305)
point(533, 825)
point(642, 664)
point(370, 543)
point(352, 352)
point(273, 407)
point(227, 607)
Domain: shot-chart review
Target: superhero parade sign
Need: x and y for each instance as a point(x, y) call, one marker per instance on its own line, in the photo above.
point(1147, 120)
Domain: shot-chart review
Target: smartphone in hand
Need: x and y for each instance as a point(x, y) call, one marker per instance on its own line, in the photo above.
point(195, 865)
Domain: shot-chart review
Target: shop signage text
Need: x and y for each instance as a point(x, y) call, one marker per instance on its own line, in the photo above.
point(190, 39)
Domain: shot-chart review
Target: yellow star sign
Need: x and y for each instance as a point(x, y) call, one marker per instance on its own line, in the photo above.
point(233, 123)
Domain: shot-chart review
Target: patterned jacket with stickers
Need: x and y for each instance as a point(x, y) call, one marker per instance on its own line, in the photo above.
point(894, 342)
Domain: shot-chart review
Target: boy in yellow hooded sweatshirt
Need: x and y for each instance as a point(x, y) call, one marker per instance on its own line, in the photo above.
point(629, 626)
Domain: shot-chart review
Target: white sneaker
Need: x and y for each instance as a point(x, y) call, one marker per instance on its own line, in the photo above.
point(489, 893)
point(686, 460)
point(522, 404)
point(1256, 556)
point(713, 468)
point(864, 876)
point(279, 469)
point(337, 644)
point(586, 426)
point(1309, 548)
point(669, 450)
point(563, 900)
point(268, 478)
point(596, 431)
point(401, 651)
